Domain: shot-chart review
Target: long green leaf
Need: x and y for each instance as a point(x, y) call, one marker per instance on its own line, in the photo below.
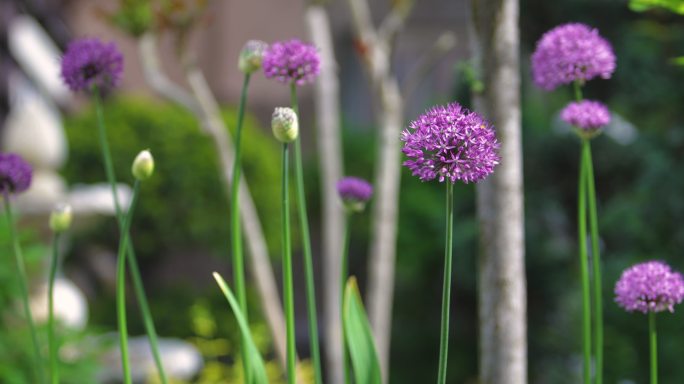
point(256, 366)
point(676, 6)
point(359, 338)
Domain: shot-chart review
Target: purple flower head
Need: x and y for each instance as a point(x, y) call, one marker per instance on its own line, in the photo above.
point(354, 192)
point(589, 116)
point(90, 62)
point(15, 174)
point(571, 52)
point(649, 287)
point(292, 61)
point(450, 142)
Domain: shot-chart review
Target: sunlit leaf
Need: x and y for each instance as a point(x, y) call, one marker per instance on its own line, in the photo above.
point(676, 6)
point(257, 367)
point(359, 338)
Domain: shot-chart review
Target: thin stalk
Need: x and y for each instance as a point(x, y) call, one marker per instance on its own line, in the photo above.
point(446, 288)
point(236, 230)
point(596, 262)
point(306, 245)
point(584, 272)
point(38, 360)
point(344, 271)
point(52, 342)
point(577, 87)
point(653, 342)
point(121, 287)
point(287, 272)
point(138, 287)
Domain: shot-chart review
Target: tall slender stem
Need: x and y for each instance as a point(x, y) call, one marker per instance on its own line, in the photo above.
point(344, 271)
point(121, 287)
point(584, 271)
point(236, 230)
point(23, 286)
point(653, 343)
point(132, 260)
point(596, 262)
point(52, 342)
point(446, 288)
point(577, 87)
point(306, 245)
point(287, 271)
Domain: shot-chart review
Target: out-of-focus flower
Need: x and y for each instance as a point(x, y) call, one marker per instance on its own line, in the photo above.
point(570, 52)
point(143, 165)
point(292, 62)
point(450, 143)
point(15, 174)
point(649, 287)
point(587, 115)
point(354, 192)
point(251, 56)
point(285, 124)
point(89, 63)
point(60, 218)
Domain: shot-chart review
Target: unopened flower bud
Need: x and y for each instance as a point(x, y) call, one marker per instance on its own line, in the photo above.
point(285, 124)
point(60, 218)
point(251, 56)
point(143, 165)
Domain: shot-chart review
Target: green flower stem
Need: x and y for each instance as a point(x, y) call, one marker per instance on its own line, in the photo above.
point(52, 342)
point(577, 87)
point(306, 245)
point(23, 285)
point(584, 271)
point(132, 260)
point(596, 262)
point(653, 342)
point(121, 286)
point(287, 272)
point(446, 289)
point(236, 230)
point(344, 271)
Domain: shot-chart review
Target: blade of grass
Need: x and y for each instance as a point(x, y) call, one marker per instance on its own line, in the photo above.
point(256, 363)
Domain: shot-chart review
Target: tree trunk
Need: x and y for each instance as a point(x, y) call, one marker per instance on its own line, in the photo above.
point(327, 103)
point(501, 266)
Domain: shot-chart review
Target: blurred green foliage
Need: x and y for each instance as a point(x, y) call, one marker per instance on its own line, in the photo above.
point(184, 205)
point(16, 350)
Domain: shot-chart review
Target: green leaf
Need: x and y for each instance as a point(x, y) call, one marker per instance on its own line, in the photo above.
point(678, 61)
point(257, 367)
point(359, 338)
point(676, 6)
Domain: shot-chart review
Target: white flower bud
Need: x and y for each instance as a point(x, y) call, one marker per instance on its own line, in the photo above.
point(143, 165)
point(60, 218)
point(285, 124)
point(251, 56)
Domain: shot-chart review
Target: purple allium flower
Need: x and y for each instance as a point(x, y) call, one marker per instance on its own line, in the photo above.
point(587, 115)
point(90, 62)
point(649, 287)
point(571, 52)
point(292, 61)
point(15, 174)
point(354, 192)
point(450, 142)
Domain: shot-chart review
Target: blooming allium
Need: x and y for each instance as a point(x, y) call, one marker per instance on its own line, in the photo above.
point(450, 142)
point(354, 192)
point(589, 116)
point(649, 287)
point(15, 174)
point(292, 61)
point(571, 52)
point(90, 62)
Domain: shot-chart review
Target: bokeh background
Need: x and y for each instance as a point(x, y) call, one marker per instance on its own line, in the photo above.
point(182, 231)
